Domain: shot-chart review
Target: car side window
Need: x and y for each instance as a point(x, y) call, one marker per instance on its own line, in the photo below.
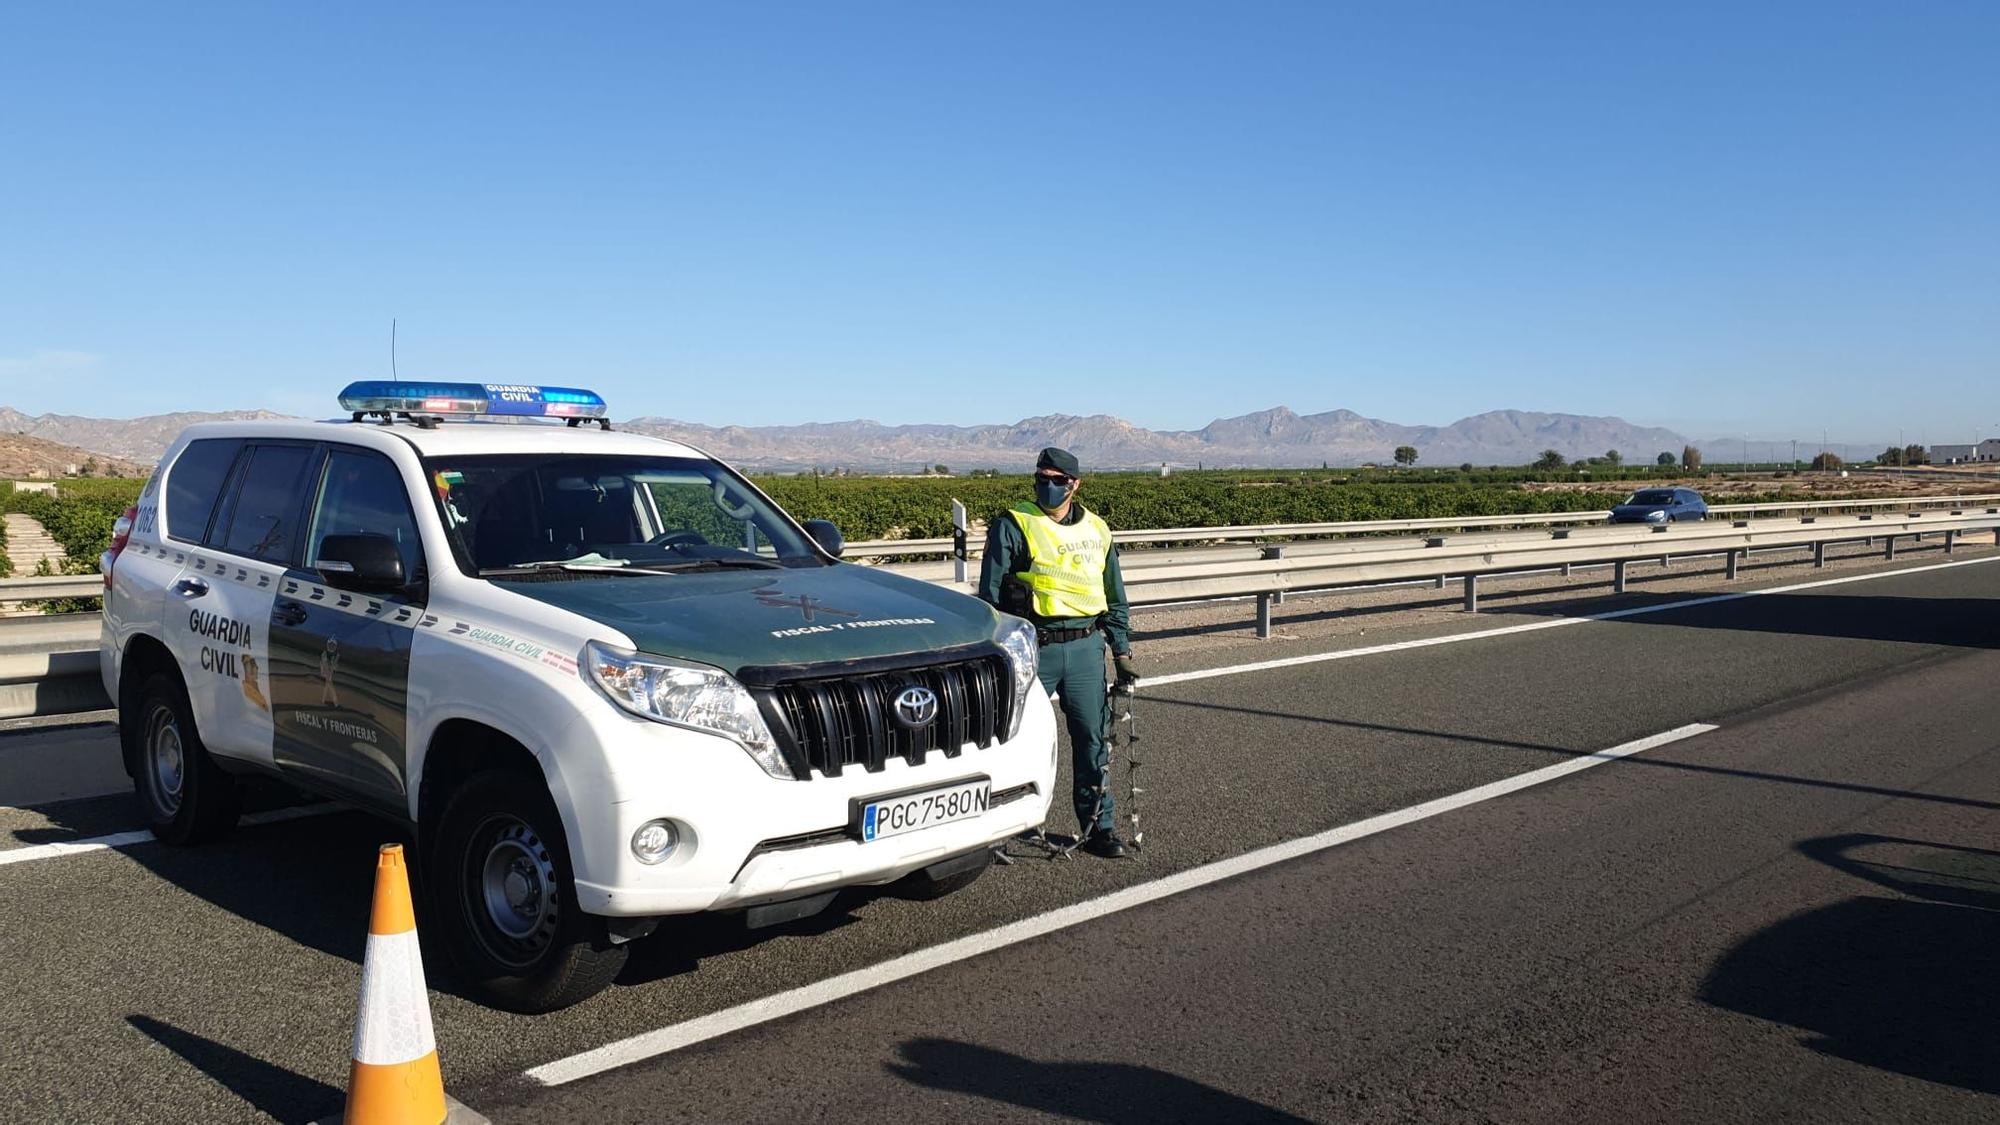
point(194, 484)
point(262, 518)
point(363, 494)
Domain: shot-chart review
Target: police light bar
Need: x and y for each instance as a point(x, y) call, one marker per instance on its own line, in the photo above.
point(377, 396)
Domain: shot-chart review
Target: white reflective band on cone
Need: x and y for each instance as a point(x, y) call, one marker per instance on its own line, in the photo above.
point(395, 1023)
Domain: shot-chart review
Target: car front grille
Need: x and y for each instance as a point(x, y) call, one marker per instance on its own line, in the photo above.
point(828, 723)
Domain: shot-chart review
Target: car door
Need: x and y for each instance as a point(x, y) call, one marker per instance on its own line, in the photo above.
point(340, 657)
point(220, 602)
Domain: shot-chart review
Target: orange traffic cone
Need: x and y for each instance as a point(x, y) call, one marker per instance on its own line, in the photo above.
point(395, 1078)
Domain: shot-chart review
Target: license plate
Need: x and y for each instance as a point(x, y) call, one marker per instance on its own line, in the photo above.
point(881, 817)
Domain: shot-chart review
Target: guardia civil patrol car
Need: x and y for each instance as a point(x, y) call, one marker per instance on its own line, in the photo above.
point(602, 677)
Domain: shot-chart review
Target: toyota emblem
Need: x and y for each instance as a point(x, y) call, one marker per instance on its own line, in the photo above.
point(915, 707)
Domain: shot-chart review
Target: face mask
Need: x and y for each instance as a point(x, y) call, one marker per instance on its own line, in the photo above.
point(1050, 493)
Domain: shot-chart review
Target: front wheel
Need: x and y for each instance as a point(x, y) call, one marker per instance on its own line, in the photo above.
point(187, 798)
point(502, 894)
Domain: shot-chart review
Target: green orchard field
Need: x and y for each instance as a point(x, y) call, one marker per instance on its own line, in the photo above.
point(920, 507)
point(80, 512)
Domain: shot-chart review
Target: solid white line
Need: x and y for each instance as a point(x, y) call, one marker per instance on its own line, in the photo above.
point(143, 836)
point(1532, 626)
point(652, 1044)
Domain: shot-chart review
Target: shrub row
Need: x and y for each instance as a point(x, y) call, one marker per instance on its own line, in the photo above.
point(918, 508)
point(81, 525)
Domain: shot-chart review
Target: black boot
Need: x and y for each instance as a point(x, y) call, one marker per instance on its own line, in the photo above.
point(1105, 844)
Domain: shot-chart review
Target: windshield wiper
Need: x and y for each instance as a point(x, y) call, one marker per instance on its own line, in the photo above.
point(707, 564)
point(556, 564)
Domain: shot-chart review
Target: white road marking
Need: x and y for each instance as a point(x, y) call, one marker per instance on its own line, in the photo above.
point(144, 836)
point(653, 1044)
point(1532, 626)
point(125, 839)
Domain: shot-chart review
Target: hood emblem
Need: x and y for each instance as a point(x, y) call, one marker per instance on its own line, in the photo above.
point(807, 605)
point(915, 707)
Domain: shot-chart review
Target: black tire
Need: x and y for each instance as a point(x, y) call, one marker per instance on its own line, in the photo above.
point(503, 900)
point(186, 797)
point(923, 888)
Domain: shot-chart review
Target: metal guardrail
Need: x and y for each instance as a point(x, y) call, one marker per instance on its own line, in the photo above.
point(895, 548)
point(14, 590)
point(48, 665)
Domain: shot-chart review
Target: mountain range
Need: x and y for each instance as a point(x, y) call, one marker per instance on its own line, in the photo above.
point(1274, 438)
point(1268, 438)
point(135, 439)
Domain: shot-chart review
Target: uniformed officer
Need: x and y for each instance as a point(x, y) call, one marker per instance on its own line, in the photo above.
point(1051, 561)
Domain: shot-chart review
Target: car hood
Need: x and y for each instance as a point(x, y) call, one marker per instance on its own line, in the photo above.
point(1638, 509)
point(735, 619)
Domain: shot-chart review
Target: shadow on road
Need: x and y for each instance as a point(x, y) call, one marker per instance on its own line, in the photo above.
point(312, 880)
point(1957, 622)
point(1112, 1093)
point(273, 1090)
point(1903, 984)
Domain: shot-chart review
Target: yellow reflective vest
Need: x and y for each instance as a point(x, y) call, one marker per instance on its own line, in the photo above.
point(1065, 574)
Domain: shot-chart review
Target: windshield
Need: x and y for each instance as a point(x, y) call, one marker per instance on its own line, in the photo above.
point(1653, 496)
point(511, 513)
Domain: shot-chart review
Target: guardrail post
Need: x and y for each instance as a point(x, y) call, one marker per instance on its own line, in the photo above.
point(1566, 567)
point(1730, 573)
point(1441, 578)
point(1472, 593)
point(1819, 553)
point(1264, 617)
point(1618, 576)
point(1950, 541)
point(1272, 551)
point(1889, 552)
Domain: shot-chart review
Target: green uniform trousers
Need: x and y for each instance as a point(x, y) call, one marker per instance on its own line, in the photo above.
point(1074, 670)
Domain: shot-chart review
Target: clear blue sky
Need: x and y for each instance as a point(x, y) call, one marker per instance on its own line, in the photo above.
point(1769, 217)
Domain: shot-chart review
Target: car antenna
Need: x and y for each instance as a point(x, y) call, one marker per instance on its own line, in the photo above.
point(392, 351)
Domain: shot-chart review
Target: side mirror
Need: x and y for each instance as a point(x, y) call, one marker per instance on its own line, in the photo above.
point(361, 562)
point(827, 536)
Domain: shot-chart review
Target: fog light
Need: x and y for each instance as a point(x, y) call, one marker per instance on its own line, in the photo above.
point(655, 841)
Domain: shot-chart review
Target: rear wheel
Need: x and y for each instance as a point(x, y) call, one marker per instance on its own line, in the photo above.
point(502, 895)
point(187, 798)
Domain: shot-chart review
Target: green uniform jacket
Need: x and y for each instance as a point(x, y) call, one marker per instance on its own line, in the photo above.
point(1007, 553)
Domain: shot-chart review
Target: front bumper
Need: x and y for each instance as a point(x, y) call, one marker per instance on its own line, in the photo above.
point(748, 838)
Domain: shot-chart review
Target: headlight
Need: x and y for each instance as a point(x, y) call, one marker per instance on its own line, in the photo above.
point(1024, 658)
point(686, 695)
point(1661, 516)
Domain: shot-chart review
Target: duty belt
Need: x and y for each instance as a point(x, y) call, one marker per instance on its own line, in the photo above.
point(1062, 636)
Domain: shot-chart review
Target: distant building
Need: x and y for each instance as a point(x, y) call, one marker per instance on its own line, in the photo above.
point(1988, 450)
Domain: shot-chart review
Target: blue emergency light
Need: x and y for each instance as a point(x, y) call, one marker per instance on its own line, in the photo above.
point(379, 396)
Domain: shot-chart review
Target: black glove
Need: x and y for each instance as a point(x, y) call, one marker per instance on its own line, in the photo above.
point(1128, 675)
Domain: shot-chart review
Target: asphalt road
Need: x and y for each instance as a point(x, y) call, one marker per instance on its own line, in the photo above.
point(1790, 917)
